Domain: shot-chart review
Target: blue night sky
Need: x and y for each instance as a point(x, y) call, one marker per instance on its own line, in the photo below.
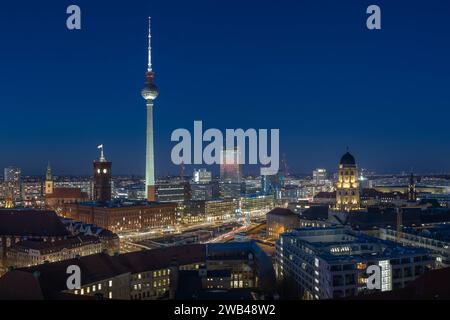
point(310, 68)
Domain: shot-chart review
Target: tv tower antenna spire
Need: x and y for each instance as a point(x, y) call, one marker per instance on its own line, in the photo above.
point(149, 44)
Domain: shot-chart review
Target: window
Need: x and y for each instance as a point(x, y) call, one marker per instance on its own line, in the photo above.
point(110, 283)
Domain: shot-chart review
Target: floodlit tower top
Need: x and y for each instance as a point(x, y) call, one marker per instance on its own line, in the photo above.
point(102, 156)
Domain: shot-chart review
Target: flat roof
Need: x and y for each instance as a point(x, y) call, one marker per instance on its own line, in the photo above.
point(339, 244)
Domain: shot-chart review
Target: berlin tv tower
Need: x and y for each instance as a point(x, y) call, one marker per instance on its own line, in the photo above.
point(149, 93)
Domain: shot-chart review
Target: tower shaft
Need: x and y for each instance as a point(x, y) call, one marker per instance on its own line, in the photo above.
point(149, 93)
point(150, 161)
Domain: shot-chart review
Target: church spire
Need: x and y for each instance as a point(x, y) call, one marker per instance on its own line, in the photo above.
point(48, 175)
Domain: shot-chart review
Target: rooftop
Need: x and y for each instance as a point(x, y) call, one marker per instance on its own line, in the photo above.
point(337, 243)
point(281, 212)
point(119, 203)
point(72, 193)
point(31, 223)
point(52, 246)
point(439, 232)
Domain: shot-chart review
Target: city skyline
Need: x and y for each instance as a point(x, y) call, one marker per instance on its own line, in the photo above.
point(331, 83)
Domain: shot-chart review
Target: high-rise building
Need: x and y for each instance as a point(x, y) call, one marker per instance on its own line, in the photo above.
point(319, 176)
point(202, 191)
point(13, 183)
point(173, 191)
point(102, 178)
point(230, 168)
point(202, 176)
point(149, 93)
point(347, 186)
point(12, 174)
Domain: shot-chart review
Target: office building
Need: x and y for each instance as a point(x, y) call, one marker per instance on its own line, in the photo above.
point(327, 263)
point(173, 191)
point(280, 220)
point(435, 237)
point(256, 206)
point(197, 211)
point(319, 176)
point(123, 216)
point(202, 176)
point(204, 191)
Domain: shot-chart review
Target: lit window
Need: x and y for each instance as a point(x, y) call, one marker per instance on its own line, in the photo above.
point(110, 283)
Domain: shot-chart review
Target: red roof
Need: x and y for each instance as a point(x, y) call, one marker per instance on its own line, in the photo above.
point(68, 193)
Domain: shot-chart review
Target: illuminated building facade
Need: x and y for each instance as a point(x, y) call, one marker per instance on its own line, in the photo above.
point(33, 252)
point(26, 224)
point(202, 176)
point(124, 216)
point(178, 191)
point(12, 178)
point(319, 176)
point(198, 211)
point(256, 206)
point(32, 193)
point(347, 185)
point(332, 262)
point(151, 274)
point(280, 220)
